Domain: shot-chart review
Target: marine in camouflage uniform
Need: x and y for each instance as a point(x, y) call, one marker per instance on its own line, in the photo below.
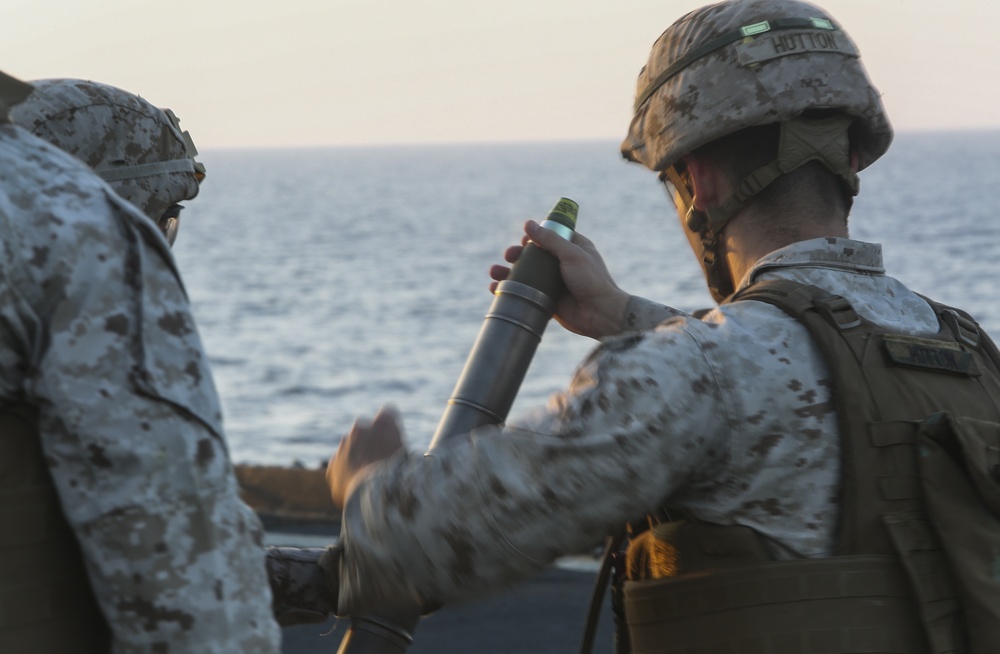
point(728, 419)
point(100, 347)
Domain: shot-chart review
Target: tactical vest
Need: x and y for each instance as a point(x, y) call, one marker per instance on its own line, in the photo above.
point(917, 563)
point(46, 604)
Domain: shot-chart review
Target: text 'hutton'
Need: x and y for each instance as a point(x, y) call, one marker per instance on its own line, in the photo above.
point(804, 41)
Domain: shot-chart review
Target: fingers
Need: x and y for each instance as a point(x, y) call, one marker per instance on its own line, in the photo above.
point(548, 239)
point(386, 424)
point(583, 241)
point(513, 253)
point(371, 441)
point(387, 414)
point(339, 456)
point(499, 273)
point(368, 442)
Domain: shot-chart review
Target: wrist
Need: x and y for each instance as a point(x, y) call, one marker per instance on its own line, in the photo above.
point(329, 565)
point(611, 319)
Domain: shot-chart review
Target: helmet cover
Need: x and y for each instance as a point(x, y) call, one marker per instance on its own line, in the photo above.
point(137, 148)
point(744, 63)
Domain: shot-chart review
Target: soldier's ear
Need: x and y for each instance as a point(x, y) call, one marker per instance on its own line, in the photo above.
point(707, 182)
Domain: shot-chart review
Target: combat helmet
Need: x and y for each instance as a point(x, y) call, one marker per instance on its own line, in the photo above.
point(746, 63)
point(136, 147)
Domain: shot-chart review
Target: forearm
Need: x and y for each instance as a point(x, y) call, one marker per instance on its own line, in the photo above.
point(479, 515)
point(495, 506)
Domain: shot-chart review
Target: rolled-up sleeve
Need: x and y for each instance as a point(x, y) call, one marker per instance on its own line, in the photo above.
point(643, 315)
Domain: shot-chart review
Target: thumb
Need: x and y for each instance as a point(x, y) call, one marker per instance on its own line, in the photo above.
point(548, 240)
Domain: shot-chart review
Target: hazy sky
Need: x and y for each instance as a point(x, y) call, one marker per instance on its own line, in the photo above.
point(330, 72)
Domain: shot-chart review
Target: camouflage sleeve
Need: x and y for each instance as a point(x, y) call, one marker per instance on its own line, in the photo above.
point(642, 314)
point(130, 422)
point(481, 511)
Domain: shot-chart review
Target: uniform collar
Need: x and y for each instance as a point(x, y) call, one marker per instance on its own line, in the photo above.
point(828, 252)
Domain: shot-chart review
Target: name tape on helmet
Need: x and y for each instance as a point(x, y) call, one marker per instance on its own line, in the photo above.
point(782, 44)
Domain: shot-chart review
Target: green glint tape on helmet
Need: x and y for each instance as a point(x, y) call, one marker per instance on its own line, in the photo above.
point(765, 26)
point(565, 213)
point(756, 28)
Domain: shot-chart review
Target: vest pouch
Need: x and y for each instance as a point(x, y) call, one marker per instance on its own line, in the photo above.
point(980, 446)
point(958, 463)
point(841, 605)
point(678, 547)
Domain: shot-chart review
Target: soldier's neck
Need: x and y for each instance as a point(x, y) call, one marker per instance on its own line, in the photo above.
point(744, 242)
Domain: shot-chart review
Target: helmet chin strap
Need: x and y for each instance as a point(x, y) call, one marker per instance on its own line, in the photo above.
point(717, 273)
point(714, 265)
point(801, 140)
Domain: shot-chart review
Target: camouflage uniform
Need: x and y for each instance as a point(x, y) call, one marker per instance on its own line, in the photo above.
point(729, 418)
point(98, 334)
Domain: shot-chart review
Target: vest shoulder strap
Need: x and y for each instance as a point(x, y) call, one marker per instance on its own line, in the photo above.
point(798, 300)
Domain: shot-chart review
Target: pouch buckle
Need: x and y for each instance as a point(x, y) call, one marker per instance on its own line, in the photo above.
point(839, 312)
point(966, 331)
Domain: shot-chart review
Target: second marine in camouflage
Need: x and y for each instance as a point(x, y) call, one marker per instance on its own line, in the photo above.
point(124, 518)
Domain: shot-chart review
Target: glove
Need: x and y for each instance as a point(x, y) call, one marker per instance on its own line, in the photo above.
point(303, 591)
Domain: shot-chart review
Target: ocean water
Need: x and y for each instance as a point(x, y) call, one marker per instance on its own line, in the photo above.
point(326, 282)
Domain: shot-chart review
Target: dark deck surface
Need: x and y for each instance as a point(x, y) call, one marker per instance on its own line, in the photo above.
point(544, 615)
